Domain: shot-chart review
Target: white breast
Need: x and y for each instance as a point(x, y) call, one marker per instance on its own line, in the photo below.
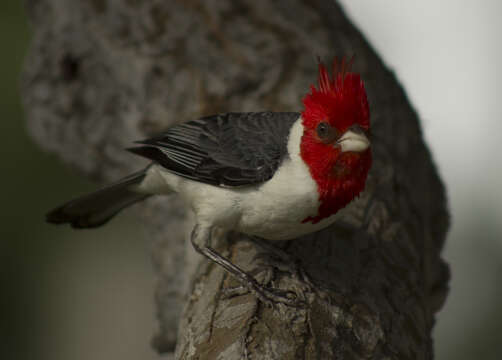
point(285, 200)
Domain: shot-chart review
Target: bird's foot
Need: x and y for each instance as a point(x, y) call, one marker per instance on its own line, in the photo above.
point(284, 262)
point(270, 296)
point(271, 261)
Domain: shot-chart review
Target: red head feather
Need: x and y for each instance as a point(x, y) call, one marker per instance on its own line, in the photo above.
point(340, 101)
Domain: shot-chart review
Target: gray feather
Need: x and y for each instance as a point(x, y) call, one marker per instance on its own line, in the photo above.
point(231, 149)
point(97, 208)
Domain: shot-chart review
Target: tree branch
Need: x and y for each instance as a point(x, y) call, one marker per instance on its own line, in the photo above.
point(102, 73)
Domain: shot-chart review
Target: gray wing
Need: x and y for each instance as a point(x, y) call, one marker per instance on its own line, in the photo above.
point(231, 149)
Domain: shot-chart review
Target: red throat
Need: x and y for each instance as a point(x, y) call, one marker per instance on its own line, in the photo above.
point(339, 180)
point(340, 101)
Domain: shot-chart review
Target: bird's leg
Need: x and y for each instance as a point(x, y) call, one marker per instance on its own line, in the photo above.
point(201, 238)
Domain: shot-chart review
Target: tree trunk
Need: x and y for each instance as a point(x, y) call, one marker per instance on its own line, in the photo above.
point(102, 73)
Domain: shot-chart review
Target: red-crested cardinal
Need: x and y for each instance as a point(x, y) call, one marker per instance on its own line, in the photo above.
point(274, 175)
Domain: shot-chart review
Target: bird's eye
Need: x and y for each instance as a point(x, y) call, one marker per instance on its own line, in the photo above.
point(326, 132)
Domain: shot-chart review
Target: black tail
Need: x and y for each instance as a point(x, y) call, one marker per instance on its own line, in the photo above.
point(97, 208)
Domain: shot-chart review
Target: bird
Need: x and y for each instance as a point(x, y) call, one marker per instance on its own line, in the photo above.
point(270, 175)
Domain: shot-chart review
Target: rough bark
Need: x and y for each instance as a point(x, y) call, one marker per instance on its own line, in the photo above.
point(102, 73)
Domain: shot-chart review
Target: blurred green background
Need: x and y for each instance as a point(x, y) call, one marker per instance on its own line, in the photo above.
point(87, 295)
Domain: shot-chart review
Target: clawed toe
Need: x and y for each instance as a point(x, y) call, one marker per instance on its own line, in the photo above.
point(230, 292)
point(268, 295)
point(289, 265)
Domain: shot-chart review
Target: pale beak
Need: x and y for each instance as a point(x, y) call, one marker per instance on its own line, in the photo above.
point(353, 141)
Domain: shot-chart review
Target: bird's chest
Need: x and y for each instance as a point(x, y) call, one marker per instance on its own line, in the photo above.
point(278, 208)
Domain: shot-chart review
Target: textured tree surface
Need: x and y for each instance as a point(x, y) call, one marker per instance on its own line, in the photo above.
point(102, 73)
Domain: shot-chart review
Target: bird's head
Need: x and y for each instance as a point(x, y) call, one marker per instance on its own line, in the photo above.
point(335, 143)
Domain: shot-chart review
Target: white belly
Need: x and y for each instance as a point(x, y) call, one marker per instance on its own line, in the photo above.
point(274, 210)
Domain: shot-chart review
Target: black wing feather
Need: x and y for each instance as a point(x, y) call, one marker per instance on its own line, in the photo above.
point(232, 149)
